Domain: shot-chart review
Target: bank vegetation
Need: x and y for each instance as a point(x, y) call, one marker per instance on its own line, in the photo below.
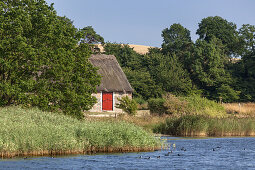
point(31, 132)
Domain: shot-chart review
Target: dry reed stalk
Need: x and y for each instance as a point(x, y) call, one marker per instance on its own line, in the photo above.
point(147, 122)
point(246, 109)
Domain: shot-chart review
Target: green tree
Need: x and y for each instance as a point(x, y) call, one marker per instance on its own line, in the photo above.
point(125, 55)
point(247, 34)
point(143, 84)
point(177, 40)
point(90, 36)
point(244, 69)
point(41, 63)
point(133, 66)
point(222, 29)
point(209, 73)
point(168, 73)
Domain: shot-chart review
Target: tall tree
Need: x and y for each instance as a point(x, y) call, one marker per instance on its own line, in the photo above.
point(168, 72)
point(90, 36)
point(41, 63)
point(247, 34)
point(209, 73)
point(143, 84)
point(244, 68)
point(177, 40)
point(222, 29)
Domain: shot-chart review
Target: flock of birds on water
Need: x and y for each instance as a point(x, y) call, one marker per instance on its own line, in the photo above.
point(171, 152)
point(167, 154)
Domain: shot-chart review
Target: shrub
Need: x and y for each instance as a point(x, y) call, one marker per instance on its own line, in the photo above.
point(156, 105)
point(141, 104)
point(203, 106)
point(139, 100)
point(193, 104)
point(175, 105)
point(128, 105)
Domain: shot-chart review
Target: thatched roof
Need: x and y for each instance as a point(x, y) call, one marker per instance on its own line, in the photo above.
point(113, 78)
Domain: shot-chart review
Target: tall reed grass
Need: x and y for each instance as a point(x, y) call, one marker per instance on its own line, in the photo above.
point(33, 132)
point(199, 125)
point(240, 109)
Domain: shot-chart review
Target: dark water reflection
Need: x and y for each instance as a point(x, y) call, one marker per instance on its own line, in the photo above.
point(212, 153)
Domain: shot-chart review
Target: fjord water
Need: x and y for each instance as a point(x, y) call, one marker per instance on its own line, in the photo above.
point(188, 153)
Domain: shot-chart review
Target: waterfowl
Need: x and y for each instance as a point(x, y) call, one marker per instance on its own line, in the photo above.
point(183, 149)
point(168, 153)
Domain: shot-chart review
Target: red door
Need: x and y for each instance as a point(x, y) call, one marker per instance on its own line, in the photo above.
point(107, 101)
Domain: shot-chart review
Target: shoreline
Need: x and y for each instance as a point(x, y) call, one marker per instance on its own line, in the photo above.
point(93, 150)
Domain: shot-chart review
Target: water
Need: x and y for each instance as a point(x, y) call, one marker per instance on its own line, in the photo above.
point(211, 153)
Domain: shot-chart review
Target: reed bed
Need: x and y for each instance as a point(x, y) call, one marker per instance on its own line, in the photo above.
point(199, 125)
point(33, 132)
point(240, 109)
point(147, 122)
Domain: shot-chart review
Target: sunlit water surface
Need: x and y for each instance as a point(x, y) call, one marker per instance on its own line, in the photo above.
point(188, 153)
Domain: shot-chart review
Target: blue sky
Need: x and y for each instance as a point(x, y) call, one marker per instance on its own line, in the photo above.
point(142, 21)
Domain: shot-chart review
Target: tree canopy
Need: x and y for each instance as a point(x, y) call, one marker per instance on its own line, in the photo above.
point(41, 63)
point(209, 72)
point(175, 39)
point(222, 29)
point(90, 36)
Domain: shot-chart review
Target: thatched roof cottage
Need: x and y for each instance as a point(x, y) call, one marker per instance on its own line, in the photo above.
point(114, 83)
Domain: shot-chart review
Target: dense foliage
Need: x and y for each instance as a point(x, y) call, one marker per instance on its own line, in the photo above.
point(189, 105)
point(127, 105)
point(219, 65)
point(44, 60)
point(41, 63)
point(156, 105)
point(90, 36)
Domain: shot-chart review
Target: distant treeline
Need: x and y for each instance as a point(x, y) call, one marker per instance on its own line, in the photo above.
point(219, 65)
